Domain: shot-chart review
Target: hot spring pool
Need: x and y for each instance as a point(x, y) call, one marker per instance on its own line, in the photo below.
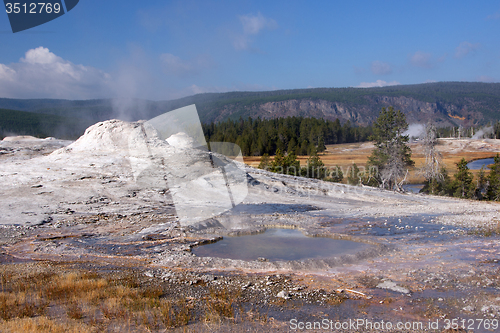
point(278, 244)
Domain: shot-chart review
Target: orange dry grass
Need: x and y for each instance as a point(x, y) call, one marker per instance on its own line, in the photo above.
point(44, 324)
point(56, 298)
point(84, 302)
point(344, 155)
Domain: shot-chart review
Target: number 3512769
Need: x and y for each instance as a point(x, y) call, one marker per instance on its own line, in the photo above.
point(33, 8)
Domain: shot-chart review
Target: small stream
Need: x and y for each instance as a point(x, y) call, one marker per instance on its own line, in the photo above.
point(477, 164)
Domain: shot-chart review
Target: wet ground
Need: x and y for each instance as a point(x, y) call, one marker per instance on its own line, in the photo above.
point(422, 259)
point(413, 269)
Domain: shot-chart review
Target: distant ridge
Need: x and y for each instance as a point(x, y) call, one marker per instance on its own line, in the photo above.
point(446, 103)
point(14, 122)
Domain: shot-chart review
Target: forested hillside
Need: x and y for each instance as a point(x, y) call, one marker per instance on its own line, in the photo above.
point(447, 104)
point(40, 125)
point(297, 135)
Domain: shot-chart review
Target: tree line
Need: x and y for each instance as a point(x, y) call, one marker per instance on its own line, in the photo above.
point(14, 122)
point(462, 185)
point(289, 165)
point(390, 161)
point(290, 135)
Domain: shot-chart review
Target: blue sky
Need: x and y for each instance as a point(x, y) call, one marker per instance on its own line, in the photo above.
point(162, 50)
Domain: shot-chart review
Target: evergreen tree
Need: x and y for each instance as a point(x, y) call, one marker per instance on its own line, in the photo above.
point(291, 165)
point(482, 183)
point(336, 175)
point(285, 164)
point(446, 187)
point(321, 145)
point(315, 168)
point(463, 185)
point(292, 146)
point(291, 134)
point(277, 163)
point(391, 156)
point(493, 189)
point(265, 162)
point(353, 175)
point(311, 150)
point(303, 148)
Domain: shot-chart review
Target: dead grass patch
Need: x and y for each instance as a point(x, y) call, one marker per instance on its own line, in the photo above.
point(344, 155)
point(86, 301)
point(44, 324)
point(220, 304)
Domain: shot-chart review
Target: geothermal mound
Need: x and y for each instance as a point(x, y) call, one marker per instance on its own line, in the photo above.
point(119, 167)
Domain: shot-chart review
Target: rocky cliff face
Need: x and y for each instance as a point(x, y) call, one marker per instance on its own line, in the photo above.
point(416, 111)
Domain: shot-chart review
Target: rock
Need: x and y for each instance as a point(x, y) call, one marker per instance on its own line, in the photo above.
point(208, 278)
point(246, 286)
point(181, 140)
point(494, 309)
point(388, 284)
point(283, 294)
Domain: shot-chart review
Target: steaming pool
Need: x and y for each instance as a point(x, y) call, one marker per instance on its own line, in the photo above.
point(278, 244)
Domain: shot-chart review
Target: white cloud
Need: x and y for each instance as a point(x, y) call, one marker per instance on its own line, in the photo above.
point(465, 48)
point(42, 74)
point(381, 68)
point(6, 73)
point(378, 83)
point(421, 59)
point(252, 26)
point(41, 55)
point(175, 65)
point(485, 78)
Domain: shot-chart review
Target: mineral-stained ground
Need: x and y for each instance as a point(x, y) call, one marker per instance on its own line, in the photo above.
point(86, 247)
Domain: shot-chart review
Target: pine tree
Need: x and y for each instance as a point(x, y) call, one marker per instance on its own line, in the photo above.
point(493, 189)
point(464, 186)
point(277, 163)
point(336, 175)
point(315, 168)
point(391, 156)
point(285, 164)
point(321, 145)
point(291, 165)
point(354, 175)
point(482, 183)
point(265, 162)
point(292, 146)
point(303, 148)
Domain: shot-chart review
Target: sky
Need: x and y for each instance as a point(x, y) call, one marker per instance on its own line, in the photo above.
point(162, 50)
